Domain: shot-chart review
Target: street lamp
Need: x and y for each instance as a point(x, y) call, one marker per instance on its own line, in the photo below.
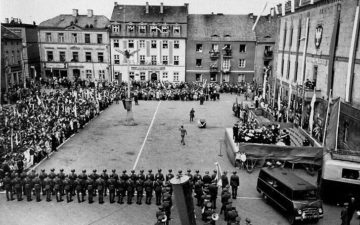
point(129, 121)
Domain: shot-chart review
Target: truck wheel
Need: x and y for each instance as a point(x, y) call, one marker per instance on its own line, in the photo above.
point(291, 219)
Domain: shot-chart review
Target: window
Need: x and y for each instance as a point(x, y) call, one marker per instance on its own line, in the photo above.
point(99, 38)
point(296, 71)
point(142, 59)
point(142, 75)
point(315, 74)
point(176, 60)
point(48, 37)
point(61, 37)
point(131, 75)
point(100, 57)
point(131, 44)
point(212, 77)
point(176, 76)
point(242, 63)
point(13, 57)
point(176, 44)
point(282, 67)
point(142, 29)
point(288, 69)
point(165, 59)
point(116, 43)
point(164, 28)
point(102, 74)
point(131, 28)
point(291, 37)
point(215, 47)
point(116, 28)
point(350, 174)
point(176, 29)
point(165, 44)
point(198, 47)
point(153, 60)
point(153, 43)
point(198, 77)
point(75, 57)
point(241, 77)
point(49, 54)
point(116, 59)
point(198, 62)
point(346, 131)
point(88, 74)
point(117, 75)
point(153, 29)
point(74, 38)
point(88, 56)
point(242, 48)
point(165, 75)
point(62, 56)
point(142, 43)
point(87, 38)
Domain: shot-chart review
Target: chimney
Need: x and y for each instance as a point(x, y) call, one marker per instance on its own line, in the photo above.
point(147, 8)
point(272, 12)
point(115, 3)
point(186, 5)
point(90, 12)
point(75, 12)
point(16, 20)
point(161, 8)
point(6, 20)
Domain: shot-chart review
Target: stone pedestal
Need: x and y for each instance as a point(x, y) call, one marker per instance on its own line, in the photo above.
point(183, 199)
point(129, 121)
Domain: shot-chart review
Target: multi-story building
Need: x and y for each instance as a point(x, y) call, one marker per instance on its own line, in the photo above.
point(10, 61)
point(220, 48)
point(155, 36)
point(30, 48)
point(75, 46)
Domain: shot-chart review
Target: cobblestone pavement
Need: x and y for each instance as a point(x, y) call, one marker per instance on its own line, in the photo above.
point(107, 143)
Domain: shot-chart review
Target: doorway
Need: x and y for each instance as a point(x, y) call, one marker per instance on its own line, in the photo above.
point(153, 77)
point(76, 73)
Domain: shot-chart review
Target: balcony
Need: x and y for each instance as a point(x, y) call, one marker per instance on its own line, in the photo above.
point(214, 69)
point(214, 54)
point(227, 53)
point(309, 93)
point(268, 55)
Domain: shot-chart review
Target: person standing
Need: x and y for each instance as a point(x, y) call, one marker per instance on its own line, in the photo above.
point(224, 180)
point(234, 183)
point(192, 115)
point(183, 132)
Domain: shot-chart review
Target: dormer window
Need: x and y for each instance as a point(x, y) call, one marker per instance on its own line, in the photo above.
point(142, 29)
point(164, 28)
point(153, 28)
point(131, 28)
point(116, 28)
point(176, 29)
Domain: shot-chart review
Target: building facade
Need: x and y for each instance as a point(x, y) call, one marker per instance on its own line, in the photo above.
point(30, 49)
point(11, 70)
point(155, 37)
point(75, 46)
point(220, 48)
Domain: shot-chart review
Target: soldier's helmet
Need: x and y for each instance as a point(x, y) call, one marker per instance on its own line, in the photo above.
point(197, 171)
point(150, 171)
point(170, 170)
point(141, 171)
point(84, 171)
point(159, 170)
point(180, 171)
point(94, 171)
point(132, 171)
point(124, 171)
point(189, 170)
point(104, 170)
point(72, 170)
point(114, 170)
point(61, 170)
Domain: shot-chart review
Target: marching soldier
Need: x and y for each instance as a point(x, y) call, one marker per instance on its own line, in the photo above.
point(139, 185)
point(61, 175)
point(8, 187)
point(158, 188)
point(48, 184)
point(150, 176)
point(197, 176)
point(42, 177)
point(234, 183)
point(57, 188)
point(130, 186)
point(133, 175)
point(112, 188)
point(148, 190)
point(105, 177)
point(159, 175)
point(90, 189)
point(121, 185)
point(224, 180)
point(79, 189)
point(72, 178)
point(169, 176)
point(68, 188)
point(141, 176)
point(28, 188)
point(37, 187)
point(94, 176)
point(206, 178)
point(100, 187)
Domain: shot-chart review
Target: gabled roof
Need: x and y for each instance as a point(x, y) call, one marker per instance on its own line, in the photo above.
point(266, 29)
point(137, 14)
point(226, 27)
point(8, 34)
point(65, 20)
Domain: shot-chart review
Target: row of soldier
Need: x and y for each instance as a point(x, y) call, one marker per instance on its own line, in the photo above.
point(120, 186)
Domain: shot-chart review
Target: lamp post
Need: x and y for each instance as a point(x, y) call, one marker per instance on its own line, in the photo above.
point(129, 121)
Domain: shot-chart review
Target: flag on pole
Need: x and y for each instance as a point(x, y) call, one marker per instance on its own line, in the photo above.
point(333, 124)
point(218, 175)
point(289, 102)
point(75, 110)
point(311, 119)
point(264, 85)
point(279, 97)
point(258, 17)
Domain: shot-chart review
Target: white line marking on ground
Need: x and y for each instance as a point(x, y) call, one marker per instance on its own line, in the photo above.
point(147, 134)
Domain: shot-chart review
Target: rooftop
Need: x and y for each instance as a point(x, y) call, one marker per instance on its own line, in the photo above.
point(8, 34)
point(210, 27)
point(266, 29)
point(65, 20)
point(137, 14)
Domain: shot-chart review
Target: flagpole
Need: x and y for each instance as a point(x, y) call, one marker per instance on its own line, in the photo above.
point(327, 116)
point(337, 127)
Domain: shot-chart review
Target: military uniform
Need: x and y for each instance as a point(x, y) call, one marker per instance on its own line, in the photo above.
point(158, 189)
point(8, 187)
point(150, 176)
point(234, 183)
point(68, 189)
point(133, 176)
point(51, 176)
point(159, 175)
point(198, 191)
point(224, 180)
point(42, 177)
point(94, 176)
point(61, 175)
point(79, 189)
point(105, 177)
point(57, 188)
point(148, 190)
point(213, 190)
point(112, 189)
point(141, 176)
point(47, 183)
point(206, 178)
point(72, 178)
point(121, 187)
point(100, 187)
point(90, 189)
point(130, 187)
point(28, 188)
point(197, 176)
point(37, 187)
point(169, 176)
point(191, 179)
point(139, 185)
